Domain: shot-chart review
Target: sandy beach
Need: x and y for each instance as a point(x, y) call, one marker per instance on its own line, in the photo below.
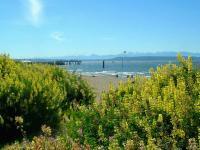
point(102, 83)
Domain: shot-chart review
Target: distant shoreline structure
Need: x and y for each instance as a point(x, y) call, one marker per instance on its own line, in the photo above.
point(132, 66)
point(52, 62)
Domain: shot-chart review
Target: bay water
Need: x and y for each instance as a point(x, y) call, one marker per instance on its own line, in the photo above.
point(122, 66)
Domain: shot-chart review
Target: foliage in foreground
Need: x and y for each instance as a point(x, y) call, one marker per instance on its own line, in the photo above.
point(160, 112)
point(34, 94)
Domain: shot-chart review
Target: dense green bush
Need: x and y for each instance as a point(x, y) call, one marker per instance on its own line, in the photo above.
point(160, 112)
point(34, 94)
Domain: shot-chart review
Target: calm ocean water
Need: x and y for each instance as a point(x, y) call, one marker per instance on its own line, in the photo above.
point(126, 67)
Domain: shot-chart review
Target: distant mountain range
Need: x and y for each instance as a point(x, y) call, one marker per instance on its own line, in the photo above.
point(118, 56)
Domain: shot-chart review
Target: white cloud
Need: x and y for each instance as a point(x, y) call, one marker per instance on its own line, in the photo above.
point(35, 11)
point(58, 36)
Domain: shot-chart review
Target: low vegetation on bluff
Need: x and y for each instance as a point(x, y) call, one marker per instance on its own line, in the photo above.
point(160, 112)
point(32, 95)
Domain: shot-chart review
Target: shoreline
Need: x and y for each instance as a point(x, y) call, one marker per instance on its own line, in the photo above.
point(111, 73)
point(102, 83)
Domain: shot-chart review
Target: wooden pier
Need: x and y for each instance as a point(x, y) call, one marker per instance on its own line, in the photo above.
point(53, 62)
point(65, 62)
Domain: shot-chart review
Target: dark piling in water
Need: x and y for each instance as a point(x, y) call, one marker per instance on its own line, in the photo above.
point(103, 64)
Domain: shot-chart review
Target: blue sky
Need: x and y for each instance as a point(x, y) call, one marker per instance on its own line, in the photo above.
point(38, 28)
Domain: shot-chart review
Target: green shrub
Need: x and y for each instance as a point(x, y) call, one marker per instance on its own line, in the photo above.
point(34, 94)
point(160, 112)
